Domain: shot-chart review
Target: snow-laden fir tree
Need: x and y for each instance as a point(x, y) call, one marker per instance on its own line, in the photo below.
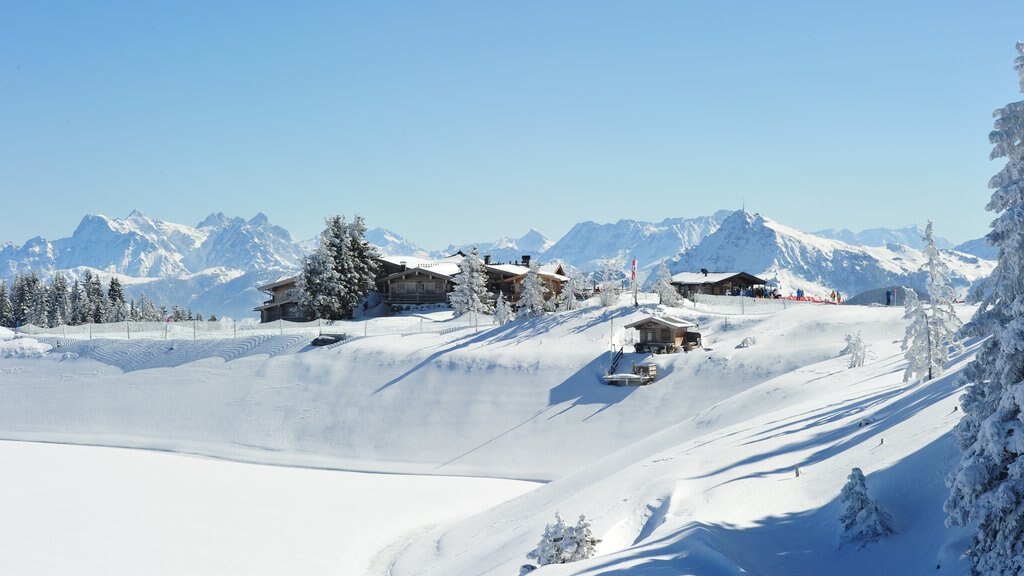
point(470, 291)
point(320, 287)
point(565, 300)
point(857, 350)
point(944, 321)
point(6, 309)
point(79, 304)
point(532, 302)
point(97, 299)
point(561, 543)
point(147, 311)
point(59, 307)
point(667, 293)
point(503, 313)
point(863, 520)
point(364, 262)
point(916, 341)
point(584, 545)
point(117, 308)
point(987, 484)
point(610, 282)
point(341, 272)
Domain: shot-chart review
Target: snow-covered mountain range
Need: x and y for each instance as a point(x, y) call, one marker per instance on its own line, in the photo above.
point(798, 260)
point(215, 266)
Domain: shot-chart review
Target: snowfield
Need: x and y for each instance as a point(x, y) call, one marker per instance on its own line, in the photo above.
point(694, 474)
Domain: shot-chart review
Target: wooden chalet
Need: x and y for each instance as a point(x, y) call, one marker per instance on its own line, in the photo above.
point(408, 280)
point(666, 334)
point(716, 283)
point(283, 303)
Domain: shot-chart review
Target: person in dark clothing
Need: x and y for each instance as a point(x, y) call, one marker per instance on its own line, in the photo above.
point(888, 297)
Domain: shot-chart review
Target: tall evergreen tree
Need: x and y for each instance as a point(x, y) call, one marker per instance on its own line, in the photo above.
point(364, 261)
point(342, 272)
point(532, 302)
point(6, 308)
point(59, 311)
point(96, 310)
point(667, 293)
point(944, 321)
point(147, 311)
point(610, 283)
point(117, 308)
point(470, 292)
point(916, 343)
point(319, 285)
point(79, 304)
point(987, 484)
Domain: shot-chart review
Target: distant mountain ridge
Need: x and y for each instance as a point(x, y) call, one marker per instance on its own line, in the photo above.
point(797, 260)
point(216, 265)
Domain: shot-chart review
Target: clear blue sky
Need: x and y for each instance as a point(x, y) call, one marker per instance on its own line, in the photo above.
point(467, 121)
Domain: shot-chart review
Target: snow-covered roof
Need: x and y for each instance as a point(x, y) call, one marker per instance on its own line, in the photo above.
point(446, 269)
point(510, 269)
point(709, 278)
point(670, 321)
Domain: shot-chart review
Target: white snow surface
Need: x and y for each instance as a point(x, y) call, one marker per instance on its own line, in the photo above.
point(693, 474)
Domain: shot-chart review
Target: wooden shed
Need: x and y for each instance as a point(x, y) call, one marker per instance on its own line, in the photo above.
point(666, 334)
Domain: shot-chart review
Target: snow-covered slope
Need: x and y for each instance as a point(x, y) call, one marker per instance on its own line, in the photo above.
point(751, 243)
point(694, 474)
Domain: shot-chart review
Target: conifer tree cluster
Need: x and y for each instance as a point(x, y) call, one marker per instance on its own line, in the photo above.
point(562, 543)
point(341, 272)
point(31, 301)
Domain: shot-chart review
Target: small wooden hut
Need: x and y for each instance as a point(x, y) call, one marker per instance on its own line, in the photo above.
point(660, 334)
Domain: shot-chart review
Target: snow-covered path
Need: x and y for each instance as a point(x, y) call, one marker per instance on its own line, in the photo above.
point(104, 511)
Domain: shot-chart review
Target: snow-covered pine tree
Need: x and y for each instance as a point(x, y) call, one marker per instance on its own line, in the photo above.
point(470, 292)
point(583, 545)
point(863, 520)
point(59, 308)
point(565, 299)
point(79, 304)
point(551, 548)
point(857, 350)
point(503, 313)
point(29, 300)
point(916, 340)
point(364, 261)
point(6, 308)
point(147, 311)
point(987, 484)
point(667, 293)
point(944, 323)
point(531, 302)
point(610, 283)
point(320, 286)
point(96, 298)
point(117, 308)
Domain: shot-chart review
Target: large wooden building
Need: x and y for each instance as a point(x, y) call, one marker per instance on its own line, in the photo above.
point(716, 283)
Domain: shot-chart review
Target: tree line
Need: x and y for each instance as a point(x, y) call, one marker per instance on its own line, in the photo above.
point(31, 300)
